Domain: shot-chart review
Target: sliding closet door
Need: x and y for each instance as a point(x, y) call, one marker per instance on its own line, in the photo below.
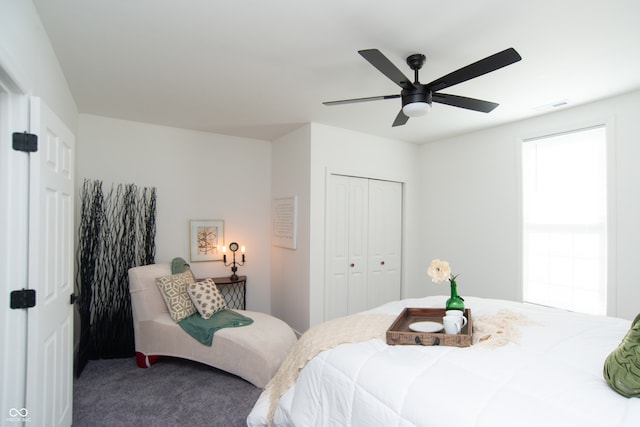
point(384, 242)
point(337, 247)
point(364, 229)
point(358, 234)
point(346, 281)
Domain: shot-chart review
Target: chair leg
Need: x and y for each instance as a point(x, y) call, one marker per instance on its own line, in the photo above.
point(144, 361)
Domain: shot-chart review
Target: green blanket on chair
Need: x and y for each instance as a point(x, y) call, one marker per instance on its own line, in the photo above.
point(203, 329)
point(179, 265)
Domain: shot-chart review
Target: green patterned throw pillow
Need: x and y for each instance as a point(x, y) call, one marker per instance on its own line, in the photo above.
point(622, 366)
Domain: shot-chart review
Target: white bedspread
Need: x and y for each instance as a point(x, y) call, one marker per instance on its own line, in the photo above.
point(552, 377)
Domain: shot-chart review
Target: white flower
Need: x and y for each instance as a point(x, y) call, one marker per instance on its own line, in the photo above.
point(439, 271)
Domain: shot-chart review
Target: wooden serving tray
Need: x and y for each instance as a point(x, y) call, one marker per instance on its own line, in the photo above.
point(400, 334)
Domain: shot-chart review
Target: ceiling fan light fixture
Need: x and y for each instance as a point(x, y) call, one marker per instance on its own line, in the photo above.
point(416, 109)
point(417, 97)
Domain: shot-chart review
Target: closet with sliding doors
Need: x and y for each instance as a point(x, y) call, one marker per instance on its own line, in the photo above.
point(364, 244)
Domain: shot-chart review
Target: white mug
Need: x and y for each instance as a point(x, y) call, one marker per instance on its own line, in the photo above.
point(452, 324)
point(459, 314)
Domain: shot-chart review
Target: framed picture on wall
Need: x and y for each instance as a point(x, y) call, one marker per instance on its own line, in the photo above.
point(285, 225)
point(207, 240)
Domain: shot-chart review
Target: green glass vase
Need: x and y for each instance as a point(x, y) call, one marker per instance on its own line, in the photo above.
point(455, 302)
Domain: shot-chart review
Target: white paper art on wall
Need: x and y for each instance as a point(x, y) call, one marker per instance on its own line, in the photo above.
point(284, 227)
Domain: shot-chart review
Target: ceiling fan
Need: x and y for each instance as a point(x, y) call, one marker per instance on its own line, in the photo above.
point(417, 97)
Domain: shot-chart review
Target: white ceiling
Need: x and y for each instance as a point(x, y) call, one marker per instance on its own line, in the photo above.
point(259, 68)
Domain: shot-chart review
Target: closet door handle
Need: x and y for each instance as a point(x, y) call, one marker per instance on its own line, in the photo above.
point(352, 265)
point(381, 262)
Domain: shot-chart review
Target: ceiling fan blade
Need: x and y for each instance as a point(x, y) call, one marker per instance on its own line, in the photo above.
point(464, 102)
point(401, 119)
point(484, 66)
point(386, 67)
point(351, 101)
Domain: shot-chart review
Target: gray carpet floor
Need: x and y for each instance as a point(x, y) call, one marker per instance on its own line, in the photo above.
point(173, 392)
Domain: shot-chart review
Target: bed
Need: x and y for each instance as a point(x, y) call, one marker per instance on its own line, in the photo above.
point(548, 371)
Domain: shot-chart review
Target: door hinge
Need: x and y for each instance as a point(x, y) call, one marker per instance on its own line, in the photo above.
point(73, 298)
point(27, 142)
point(24, 298)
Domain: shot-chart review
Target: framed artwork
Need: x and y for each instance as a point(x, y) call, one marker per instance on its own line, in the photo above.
point(207, 240)
point(285, 225)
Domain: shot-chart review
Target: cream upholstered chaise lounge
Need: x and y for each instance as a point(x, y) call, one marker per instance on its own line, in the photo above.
point(253, 352)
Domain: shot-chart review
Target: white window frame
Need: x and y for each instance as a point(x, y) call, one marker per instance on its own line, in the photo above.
point(609, 124)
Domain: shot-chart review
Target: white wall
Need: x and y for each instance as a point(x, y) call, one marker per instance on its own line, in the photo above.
point(469, 200)
point(341, 151)
point(198, 175)
point(290, 163)
point(25, 49)
point(470, 197)
point(301, 163)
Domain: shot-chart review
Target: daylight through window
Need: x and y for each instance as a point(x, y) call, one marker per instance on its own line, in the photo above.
point(564, 220)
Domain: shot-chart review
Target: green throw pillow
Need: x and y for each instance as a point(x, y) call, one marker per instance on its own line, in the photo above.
point(622, 366)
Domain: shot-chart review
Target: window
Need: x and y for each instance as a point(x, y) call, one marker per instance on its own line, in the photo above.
point(565, 220)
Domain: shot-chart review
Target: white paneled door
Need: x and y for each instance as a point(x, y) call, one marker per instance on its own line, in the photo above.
point(337, 247)
point(357, 238)
point(384, 242)
point(50, 323)
point(364, 244)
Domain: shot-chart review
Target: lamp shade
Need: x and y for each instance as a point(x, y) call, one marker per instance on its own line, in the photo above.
point(416, 109)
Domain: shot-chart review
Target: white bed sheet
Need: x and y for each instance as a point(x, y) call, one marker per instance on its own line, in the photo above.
point(552, 377)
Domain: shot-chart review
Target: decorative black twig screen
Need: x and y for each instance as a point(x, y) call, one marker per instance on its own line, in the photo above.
point(116, 232)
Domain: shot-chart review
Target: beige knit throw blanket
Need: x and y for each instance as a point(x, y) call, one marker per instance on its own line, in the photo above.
point(495, 330)
point(350, 329)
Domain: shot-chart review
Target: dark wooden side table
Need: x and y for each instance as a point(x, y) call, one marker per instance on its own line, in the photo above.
point(233, 291)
